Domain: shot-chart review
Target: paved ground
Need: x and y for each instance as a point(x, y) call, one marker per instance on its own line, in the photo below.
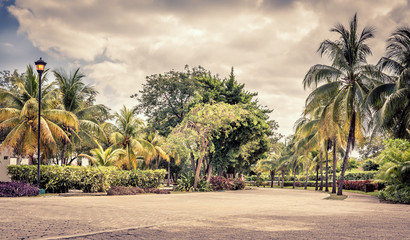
point(248, 214)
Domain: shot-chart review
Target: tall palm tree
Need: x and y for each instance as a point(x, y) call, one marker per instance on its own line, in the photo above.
point(127, 135)
point(390, 101)
point(269, 165)
point(78, 98)
point(346, 82)
point(20, 117)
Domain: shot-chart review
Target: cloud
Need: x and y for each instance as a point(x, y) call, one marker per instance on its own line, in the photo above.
point(271, 44)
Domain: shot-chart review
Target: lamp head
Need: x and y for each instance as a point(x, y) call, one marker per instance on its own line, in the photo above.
point(40, 65)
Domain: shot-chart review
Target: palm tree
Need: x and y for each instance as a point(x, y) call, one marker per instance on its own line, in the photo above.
point(269, 165)
point(101, 157)
point(127, 136)
point(346, 82)
point(390, 101)
point(20, 117)
point(78, 98)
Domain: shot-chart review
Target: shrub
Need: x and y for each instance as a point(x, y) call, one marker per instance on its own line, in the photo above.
point(220, 183)
point(301, 184)
point(396, 193)
point(360, 175)
point(369, 165)
point(186, 184)
point(89, 179)
point(358, 185)
point(237, 184)
point(156, 191)
point(121, 190)
point(17, 189)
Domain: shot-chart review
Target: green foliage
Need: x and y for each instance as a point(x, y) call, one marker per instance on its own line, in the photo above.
point(360, 175)
point(399, 193)
point(395, 160)
point(369, 165)
point(186, 184)
point(89, 179)
point(165, 98)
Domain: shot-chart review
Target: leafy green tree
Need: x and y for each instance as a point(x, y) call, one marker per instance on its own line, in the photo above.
point(198, 127)
point(395, 161)
point(165, 98)
point(347, 81)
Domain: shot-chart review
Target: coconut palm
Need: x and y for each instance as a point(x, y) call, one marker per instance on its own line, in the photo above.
point(78, 98)
point(127, 135)
point(346, 82)
point(269, 165)
point(391, 101)
point(20, 117)
point(101, 157)
point(157, 141)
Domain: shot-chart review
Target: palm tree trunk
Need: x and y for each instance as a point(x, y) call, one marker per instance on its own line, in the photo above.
point(334, 167)
point(283, 179)
point(327, 172)
point(169, 172)
point(63, 162)
point(346, 157)
point(317, 178)
point(272, 178)
point(294, 177)
point(278, 180)
point(321, 171)
point(307, 176)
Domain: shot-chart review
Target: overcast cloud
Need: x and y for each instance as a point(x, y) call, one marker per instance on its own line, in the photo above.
point(271, 44)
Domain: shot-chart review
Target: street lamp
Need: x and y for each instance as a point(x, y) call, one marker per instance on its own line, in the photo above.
point(40, 65)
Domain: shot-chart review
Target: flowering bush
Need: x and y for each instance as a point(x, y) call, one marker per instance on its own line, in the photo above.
point(220, 183)
point(358, 185)
point(17, 189)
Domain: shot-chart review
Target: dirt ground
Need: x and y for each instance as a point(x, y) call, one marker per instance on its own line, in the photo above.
point(248, 214)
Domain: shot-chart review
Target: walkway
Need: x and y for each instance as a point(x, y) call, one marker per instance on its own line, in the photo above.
point(249, 214)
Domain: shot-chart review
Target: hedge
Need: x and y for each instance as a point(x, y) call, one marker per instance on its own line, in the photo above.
point(362, 175)
point(57, 179)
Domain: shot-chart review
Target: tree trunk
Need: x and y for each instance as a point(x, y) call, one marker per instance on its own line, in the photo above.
point(334, 167)
point(193, 162)
point(169, 172)
point(321, 172)
point(209, 172)
point(346, 157)
point(278, 180)
point(327, 171)
point(307, 177)
point(198, 167)
point(294, 177)
point(317, 178)
point(283, 179)
point(272, 178)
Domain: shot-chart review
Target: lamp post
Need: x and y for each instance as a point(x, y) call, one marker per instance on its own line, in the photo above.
point(40, 65)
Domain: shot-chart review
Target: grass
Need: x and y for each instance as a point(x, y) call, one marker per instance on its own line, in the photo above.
point(334, 196)
point(374, 194)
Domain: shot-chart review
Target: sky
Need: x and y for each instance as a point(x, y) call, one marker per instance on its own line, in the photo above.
point(270, 43)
